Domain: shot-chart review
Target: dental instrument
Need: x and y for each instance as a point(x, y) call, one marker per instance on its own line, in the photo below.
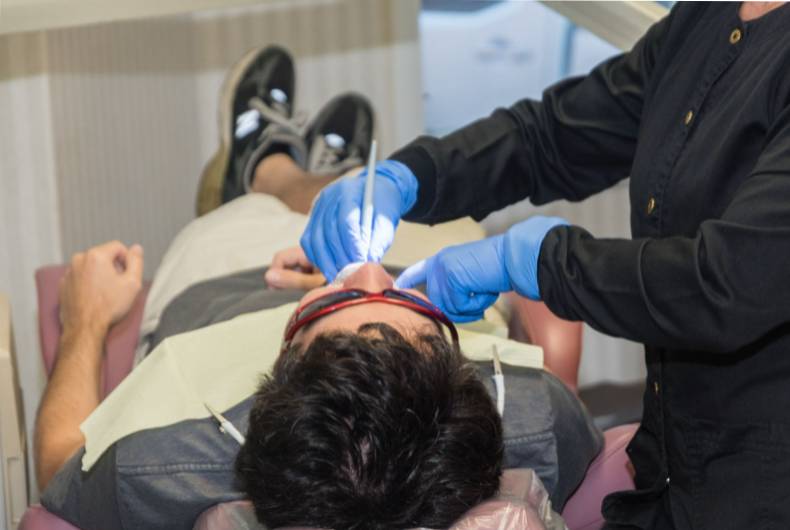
point(499, 381)
point(367, 201)
point(225, 425)
point(367, 216)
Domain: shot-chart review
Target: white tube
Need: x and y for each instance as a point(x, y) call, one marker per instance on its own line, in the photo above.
point(367, 202)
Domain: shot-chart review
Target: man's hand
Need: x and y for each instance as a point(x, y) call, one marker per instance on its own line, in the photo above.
point(100, 286)
point(96, 292)
point(290, 269)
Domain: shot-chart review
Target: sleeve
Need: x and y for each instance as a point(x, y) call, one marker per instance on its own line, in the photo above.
point(580, 139)
point(86, 500)
point(717, 291)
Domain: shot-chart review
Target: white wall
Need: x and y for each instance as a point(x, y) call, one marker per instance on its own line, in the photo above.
point(104, 129)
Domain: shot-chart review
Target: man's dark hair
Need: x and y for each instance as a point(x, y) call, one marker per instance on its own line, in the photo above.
point(370, 430)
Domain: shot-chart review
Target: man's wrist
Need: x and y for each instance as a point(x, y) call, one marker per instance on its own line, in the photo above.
point(522, 246)
point(91, 328)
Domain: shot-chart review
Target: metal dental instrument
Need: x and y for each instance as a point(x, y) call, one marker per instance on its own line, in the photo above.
point(499, 381)
point(367, 203)
point(367, 216)
point(225, 425)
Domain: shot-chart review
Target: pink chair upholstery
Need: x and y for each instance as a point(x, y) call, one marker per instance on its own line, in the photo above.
point(530, 322)
point(610, 471)
point(118, 360)
point(121, 342)
point(38, 518)
point(561, 340)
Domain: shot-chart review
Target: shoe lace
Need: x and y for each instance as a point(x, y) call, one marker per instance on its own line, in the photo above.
point(271, 114)
point(327, 157)
point(300, 120)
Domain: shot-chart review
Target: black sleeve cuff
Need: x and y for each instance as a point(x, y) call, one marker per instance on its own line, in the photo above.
point(417, 158)
point(552, 255)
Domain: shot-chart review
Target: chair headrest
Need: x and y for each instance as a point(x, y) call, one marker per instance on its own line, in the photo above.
point(522, 503)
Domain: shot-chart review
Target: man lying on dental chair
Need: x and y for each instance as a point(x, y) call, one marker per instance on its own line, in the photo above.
point(370, 417)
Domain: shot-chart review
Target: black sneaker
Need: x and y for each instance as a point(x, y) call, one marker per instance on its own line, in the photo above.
point(339, 137)
point(256, 105)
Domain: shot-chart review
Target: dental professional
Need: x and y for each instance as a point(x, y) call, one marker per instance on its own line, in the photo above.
point(697, 114)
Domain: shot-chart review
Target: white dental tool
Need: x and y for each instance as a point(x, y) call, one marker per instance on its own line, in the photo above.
point(499, 382)
point(225, 425)
point(367, 216)
point(367, 202)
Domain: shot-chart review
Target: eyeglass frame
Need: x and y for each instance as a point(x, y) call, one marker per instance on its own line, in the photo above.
point(416, 304)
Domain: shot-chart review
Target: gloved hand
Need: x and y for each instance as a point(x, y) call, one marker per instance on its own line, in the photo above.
point(466, 279)
point(335, 237)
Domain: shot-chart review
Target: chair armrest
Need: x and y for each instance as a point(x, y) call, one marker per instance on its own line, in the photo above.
point(121, 341)
point(561, 340)
point(49, 328)
point(38, 518)
point(609, 472)
point(520, 504)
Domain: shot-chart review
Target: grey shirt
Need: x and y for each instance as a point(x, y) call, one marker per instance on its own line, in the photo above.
point(164, 478)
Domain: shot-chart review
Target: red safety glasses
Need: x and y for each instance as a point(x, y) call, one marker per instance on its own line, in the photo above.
point(336, 300)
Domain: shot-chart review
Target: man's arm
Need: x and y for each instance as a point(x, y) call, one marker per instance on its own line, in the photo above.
point(97, 291)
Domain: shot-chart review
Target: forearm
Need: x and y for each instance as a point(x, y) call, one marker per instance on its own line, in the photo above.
point(73, 392)
point(545, 150)
point(578, 140)
point(717, 291)
point(472, 171)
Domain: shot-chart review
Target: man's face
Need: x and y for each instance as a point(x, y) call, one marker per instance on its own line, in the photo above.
point(373, 278)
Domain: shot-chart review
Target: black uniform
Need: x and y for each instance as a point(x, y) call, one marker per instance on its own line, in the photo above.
point(698, 114)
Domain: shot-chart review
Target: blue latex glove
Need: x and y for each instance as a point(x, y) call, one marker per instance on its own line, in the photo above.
point(466, 279)
point(335, 237)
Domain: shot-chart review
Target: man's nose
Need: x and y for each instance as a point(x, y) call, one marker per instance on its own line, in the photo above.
point(369, 277)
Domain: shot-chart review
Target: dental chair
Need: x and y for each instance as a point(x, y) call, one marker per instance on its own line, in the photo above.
point(529, 321)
